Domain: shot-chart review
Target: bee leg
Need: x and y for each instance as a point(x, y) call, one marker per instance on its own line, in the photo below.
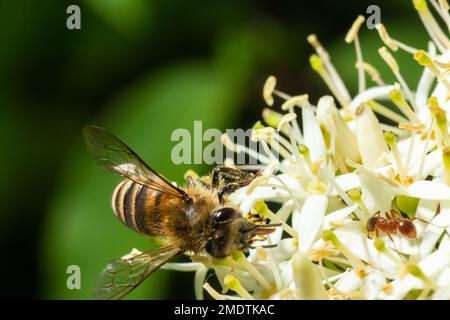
point(192, 182)
point(230, 173)
point(229, 188)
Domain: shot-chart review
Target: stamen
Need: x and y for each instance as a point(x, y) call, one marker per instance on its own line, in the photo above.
point(271, 117)
point(234, 284)
point(285, 127)
point(279, 148)
point(290, 146)
point(410, 152)
point(355, 194)
point(400, 133)
point(230, 145)
point(281, 94)
point(412, 127)
point(236, 148)
point(373, 73)
point(414, 270)
point(352, 36)
point(226, 262)
point(323, 54)
point(199, 280)
point(262, 209)
point(213, 293)
point(324, 251)
point(389, 59)
point(442, 9)
point(381, 247)
point(424, 60)
point(441, 120)
point(262, 179)
point(391, 140)
point(446, 160)
point(273, 267)
point(385, 37)
point(397, 97)
point(393, 44)
point(344, 196)
point(386, 112)
point(268, 89)
point(318, 66)
point(239, 257)
point(258, 125)
point(423, 295)
point(330, 236)
point(294, 101)
point(268, 151)
point(353, 32)
point(304, 151)
point(285, 120)
point(430, 24)
point(425, 150)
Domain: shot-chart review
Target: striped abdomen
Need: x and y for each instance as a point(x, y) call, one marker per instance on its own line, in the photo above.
point(138, 207)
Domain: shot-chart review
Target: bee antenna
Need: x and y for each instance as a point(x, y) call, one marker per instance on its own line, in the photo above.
point(261, 226)
point(268, 246)
point(265, 246)
point(270, 225)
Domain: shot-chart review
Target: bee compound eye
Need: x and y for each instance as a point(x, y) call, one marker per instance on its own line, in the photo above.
point(224, 214)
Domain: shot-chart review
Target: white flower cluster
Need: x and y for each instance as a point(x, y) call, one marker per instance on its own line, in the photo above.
point(344, 171)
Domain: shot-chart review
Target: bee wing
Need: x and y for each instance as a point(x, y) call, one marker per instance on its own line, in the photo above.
point(121, 276)
point(114, 156)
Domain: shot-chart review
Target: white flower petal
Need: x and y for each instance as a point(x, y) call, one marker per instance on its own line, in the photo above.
point(286, 274)
point(434, 230)
point(307, 279)
point(354, 237)
point(338, 216)
point(199, 280)
point(444, 279)
point(423, 89)
point(310, 221)
point(432, 164)
point(442, 294)
point(349, 283)
point(347, 182)
point(429, 190)
point(284, 250)
point(377, 194)
point(371, 94)
point(312, 135)
point(344, 139)
point(369, 136)
point(431, 265)
point(372, 285)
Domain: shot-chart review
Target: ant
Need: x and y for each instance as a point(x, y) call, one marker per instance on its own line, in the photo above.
point(394, 222)
point(390, 225)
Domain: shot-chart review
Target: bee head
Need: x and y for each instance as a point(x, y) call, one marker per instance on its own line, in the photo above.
point(231, 231)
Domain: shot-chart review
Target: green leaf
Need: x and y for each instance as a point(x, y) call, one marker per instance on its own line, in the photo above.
point(407, 205)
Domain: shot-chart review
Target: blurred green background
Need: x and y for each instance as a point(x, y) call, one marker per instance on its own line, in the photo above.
point(141, 68)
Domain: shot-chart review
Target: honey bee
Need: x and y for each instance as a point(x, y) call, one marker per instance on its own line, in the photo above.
point(195, 218)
